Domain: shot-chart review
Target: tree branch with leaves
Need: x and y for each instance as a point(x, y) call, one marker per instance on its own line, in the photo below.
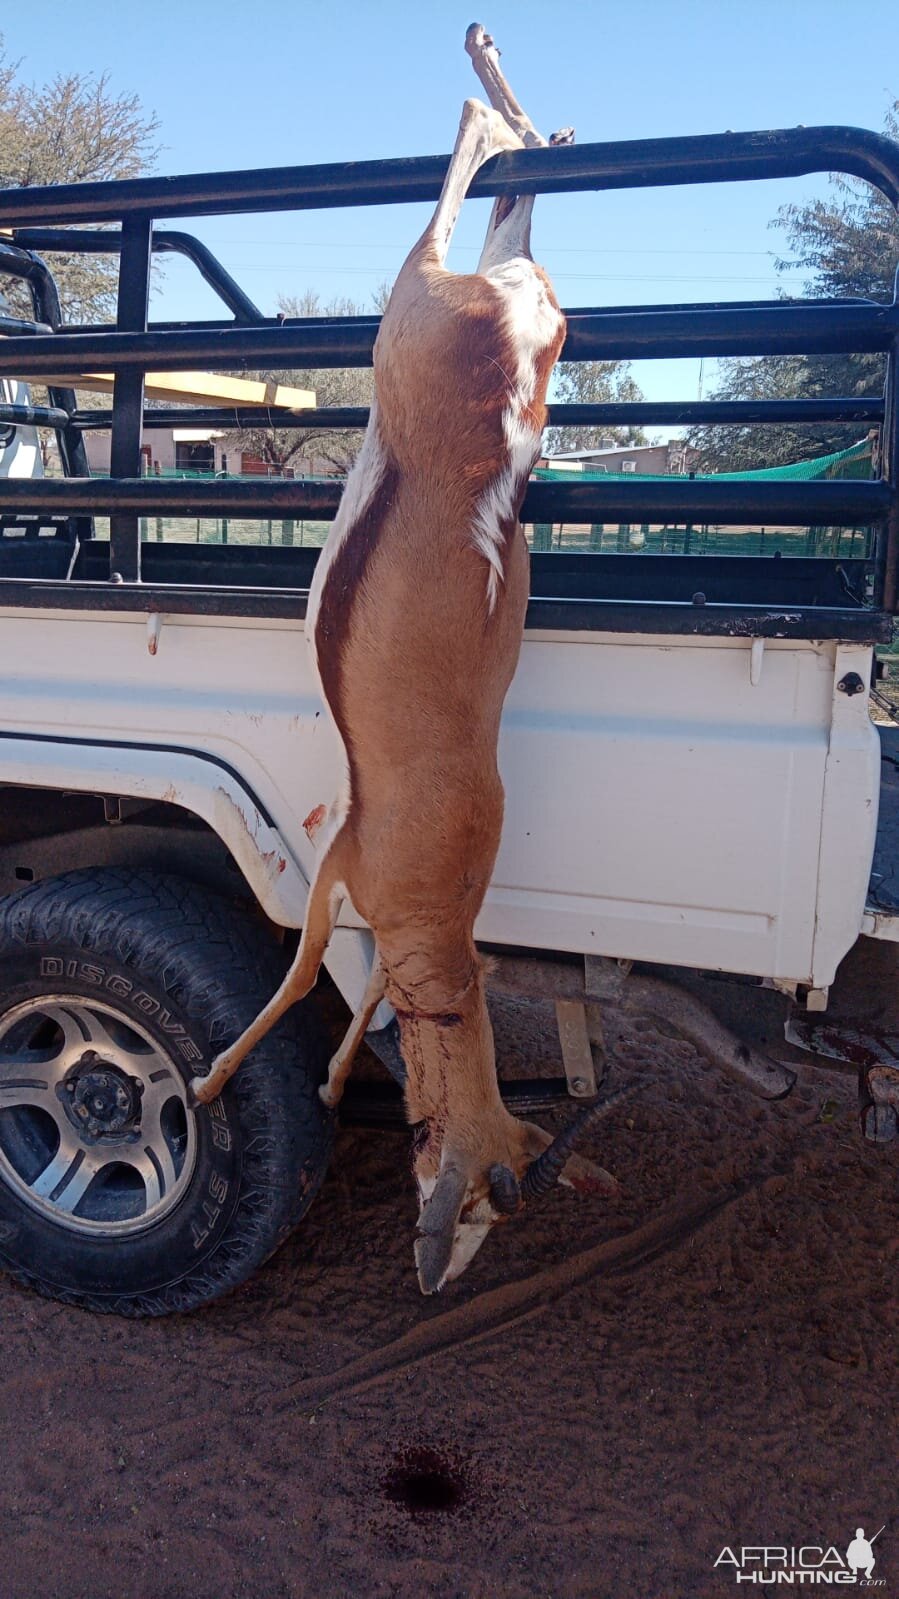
point(847, 245)
point(592, 383)
point(74, 129)
point(333, 386)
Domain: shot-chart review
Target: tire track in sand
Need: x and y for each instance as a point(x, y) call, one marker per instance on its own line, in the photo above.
point(500, 1308)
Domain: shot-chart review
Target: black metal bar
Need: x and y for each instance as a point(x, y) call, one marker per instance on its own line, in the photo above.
point(708, 621)
point(34, 416)
point(848, 502)
point(165, 241)
point(47, 308)
point(238, 418)
point(791, 329)
point(69, 241)
point(886, 581)
point(152, 496)
point(727, 580)
point(619, 413)
point(738, 413)
point(377, 1104)
point(807, 329)
point(128, 395)
point(13, 326)
point(854, 625)
point(371, 319)
point(225, 349)
point(18, 263)
point(674, 500)
point(643, 163)
point(731, 579)
point(727, 305)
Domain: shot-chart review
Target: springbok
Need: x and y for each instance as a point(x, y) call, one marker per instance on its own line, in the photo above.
point(415, 618)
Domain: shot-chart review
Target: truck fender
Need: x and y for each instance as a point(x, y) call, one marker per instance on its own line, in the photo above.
point(212, 790)
point(198, 782)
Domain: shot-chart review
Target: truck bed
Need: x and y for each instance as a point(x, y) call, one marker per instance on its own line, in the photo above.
point(737, 596)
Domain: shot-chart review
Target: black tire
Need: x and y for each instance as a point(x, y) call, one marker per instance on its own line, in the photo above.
point(193, 970)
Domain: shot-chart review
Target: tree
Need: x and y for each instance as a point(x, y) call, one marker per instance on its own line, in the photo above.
point(281, 447)
point(72, 130)
point(593, 383)
point(784, 377)
point(847, 245)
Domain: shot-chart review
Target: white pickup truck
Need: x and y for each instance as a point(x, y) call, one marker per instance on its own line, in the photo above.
point(692, 775)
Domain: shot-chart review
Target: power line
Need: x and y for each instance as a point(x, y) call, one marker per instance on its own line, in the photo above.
point(589, 277)
point(474, 249)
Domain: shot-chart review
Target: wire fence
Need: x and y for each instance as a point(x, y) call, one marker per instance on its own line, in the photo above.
point(628, 538)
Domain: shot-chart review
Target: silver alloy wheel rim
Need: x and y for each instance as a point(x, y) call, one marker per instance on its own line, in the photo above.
point(95, 1128)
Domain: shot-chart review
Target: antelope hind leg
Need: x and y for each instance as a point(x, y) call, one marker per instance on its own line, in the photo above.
point(509, 229)
point(485, 60)
point(482, 133)
point(342, 1061)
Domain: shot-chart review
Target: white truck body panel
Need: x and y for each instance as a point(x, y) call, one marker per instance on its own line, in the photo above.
point(660, 804)
point(20, 451)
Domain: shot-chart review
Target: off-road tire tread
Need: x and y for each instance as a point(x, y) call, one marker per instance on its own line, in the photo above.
point(220, 965)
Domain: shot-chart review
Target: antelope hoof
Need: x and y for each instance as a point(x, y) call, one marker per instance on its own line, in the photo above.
point(432, 1258)
point(203, 1090)
point(457, 1217)
point(478, 40)
point(330, 1095)
point(199, 1092)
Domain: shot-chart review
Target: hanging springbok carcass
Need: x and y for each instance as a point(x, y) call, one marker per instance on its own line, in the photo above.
point(415, 618)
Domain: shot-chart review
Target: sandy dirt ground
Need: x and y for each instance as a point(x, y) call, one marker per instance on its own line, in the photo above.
point(611, 1395)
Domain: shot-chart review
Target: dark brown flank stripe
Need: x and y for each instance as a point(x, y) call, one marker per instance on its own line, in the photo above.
point(342, 584)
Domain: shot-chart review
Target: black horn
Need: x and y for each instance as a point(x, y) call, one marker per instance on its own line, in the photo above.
point(505, 1194)
point(544, 1172)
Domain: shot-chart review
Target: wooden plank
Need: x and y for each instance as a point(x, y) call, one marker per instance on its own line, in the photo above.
point(202, 388)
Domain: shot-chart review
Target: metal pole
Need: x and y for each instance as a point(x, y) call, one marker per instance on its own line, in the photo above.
point(128, 394)
point(887, 571)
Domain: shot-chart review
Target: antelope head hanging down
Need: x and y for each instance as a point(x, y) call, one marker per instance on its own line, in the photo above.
point(415, 619)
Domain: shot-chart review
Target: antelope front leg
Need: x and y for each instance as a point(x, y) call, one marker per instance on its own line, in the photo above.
point(482, 133)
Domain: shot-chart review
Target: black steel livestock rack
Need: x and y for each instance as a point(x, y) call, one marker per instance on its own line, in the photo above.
point(757, 596)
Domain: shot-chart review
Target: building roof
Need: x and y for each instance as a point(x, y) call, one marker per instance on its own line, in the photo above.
point(613, 449)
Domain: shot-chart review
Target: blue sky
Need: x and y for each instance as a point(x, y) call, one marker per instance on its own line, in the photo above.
point(267, 82)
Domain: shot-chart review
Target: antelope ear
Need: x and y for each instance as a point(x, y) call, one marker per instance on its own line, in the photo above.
point(437, 1229)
